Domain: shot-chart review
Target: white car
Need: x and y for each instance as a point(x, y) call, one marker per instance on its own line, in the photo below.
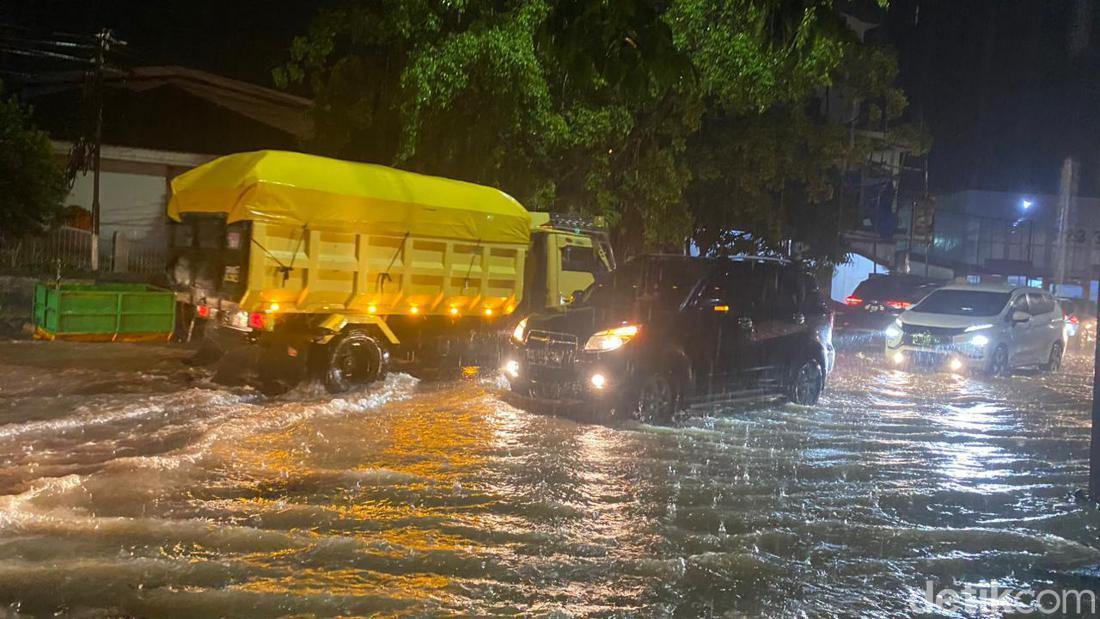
point(991, 328)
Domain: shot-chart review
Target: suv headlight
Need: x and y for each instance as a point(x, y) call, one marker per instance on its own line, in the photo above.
point(610, 339)
point(520, 332)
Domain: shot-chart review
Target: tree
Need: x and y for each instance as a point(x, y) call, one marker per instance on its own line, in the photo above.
point(582, 105)
point(32, 184)
point(764, 179)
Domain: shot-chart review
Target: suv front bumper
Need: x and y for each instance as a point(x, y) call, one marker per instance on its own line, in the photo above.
point(951, 358)
point(586, 378)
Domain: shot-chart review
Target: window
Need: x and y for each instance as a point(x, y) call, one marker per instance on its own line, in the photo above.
point(791, 298)
point(739, 286)
point(1019, 304)
point(577, 258)
point(963, 303)
point(1039, 304)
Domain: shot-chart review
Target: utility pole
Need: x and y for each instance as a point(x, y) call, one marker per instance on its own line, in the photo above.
point(104, 39)
point(1065, 203)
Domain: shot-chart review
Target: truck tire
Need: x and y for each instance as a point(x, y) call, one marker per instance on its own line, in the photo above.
point(351, 360)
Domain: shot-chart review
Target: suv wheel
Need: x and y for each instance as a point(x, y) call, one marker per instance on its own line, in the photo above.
point(1054, 362)
point(656, 401)
point(807, 383)
point(998, 362)
point(353, 359)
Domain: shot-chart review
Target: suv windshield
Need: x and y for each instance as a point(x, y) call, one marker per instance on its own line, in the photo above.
point(664, 283)
point(963, 303)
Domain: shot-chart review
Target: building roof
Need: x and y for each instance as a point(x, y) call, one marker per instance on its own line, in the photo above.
point(274, 108)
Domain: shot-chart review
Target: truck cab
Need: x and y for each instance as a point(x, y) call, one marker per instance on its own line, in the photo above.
point(567, 254)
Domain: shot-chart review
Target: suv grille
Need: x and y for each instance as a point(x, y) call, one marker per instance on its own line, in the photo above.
point(929, 336)
point(551, 350)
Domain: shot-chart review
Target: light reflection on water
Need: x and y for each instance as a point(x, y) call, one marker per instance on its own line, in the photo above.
point(442, 499)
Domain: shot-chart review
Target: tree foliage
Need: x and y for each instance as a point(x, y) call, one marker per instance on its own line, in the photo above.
point(32, 184)
point(636, 110)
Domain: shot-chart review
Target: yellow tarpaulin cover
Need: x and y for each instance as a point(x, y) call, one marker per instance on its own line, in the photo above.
point(328, 194)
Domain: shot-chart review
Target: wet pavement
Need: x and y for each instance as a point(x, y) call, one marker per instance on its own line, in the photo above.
point(132, 486)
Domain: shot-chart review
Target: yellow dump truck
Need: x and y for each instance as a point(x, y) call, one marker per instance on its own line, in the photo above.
point(339, 268)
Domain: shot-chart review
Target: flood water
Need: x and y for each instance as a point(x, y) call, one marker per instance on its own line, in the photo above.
point(131, 486)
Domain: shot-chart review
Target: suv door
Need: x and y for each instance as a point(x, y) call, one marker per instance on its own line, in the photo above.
point(777, 321)
point(720, 321)
point(1019, 349)
point(1046, 325)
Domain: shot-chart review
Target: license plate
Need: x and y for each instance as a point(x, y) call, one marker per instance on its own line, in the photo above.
point(237, 320)
point(232, 274)
point(549, 358)
point(923, 339)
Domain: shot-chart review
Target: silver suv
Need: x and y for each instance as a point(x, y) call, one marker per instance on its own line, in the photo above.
point(992, 328)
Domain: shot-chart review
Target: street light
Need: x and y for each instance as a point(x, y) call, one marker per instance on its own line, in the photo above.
point(1026, 204)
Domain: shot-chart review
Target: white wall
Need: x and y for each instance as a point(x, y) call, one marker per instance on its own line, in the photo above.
point(130, 203)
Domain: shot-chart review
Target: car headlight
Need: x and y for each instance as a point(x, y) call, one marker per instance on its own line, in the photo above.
point(979, 340)
point(520, 332)
point(894, 330)
point(610, 339)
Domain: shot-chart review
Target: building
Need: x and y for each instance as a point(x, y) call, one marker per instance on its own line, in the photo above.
point(1033, 240)
point(157, 123)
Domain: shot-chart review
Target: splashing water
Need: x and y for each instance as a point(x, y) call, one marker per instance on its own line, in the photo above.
point(132, 487)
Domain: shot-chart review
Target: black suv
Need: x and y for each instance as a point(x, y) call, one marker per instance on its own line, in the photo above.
point(662, 332)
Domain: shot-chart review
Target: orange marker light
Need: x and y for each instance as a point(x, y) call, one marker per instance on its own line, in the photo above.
point(372, 309)
point(488, 311)
point(414, 310)
point(454, 311)
point(721, 309)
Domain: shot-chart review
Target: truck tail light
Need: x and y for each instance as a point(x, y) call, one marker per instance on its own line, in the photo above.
point(853, 300)
point(902, 305)
point(203, 311)
point(257, 320)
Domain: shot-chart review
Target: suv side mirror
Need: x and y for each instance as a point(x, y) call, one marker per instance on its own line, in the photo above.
point(1020, 317)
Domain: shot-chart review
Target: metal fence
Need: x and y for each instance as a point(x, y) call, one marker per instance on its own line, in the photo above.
point(70, 251)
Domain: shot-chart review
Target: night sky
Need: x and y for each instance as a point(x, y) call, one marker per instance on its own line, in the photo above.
point(1007, 88)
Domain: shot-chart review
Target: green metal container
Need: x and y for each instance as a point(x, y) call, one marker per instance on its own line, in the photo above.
point(103, 312)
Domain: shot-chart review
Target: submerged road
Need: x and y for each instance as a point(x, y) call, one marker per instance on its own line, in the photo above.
point(132, 486)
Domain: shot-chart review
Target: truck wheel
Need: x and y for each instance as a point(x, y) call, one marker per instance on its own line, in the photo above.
point(806, 383)
point(353, 359)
